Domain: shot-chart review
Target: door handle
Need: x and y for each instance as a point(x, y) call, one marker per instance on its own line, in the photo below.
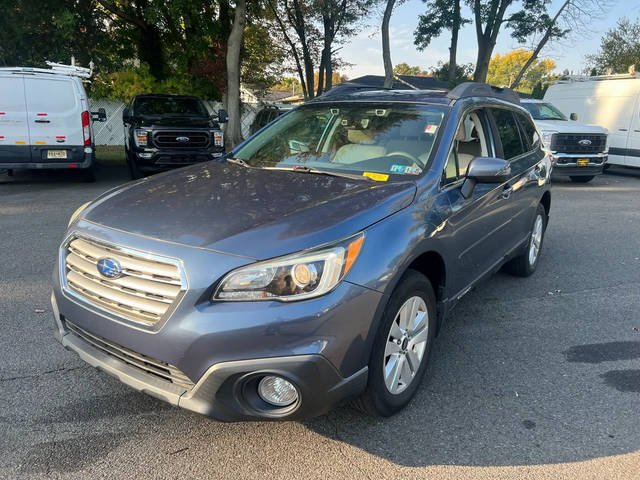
point(622, 129)
point(506, 193)
point(42, 121)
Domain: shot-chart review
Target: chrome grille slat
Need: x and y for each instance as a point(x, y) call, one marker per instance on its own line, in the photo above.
point(164, 370)
point(144, 294)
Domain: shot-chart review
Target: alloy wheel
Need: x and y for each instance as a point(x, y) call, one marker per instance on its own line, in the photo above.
point(536, 240)
point(406, 345)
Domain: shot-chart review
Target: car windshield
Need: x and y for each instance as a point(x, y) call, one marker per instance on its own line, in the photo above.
point(169, 106)
point(387, 138)
point(543, 111)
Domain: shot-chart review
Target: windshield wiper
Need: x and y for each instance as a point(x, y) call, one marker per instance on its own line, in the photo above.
point(305, 169)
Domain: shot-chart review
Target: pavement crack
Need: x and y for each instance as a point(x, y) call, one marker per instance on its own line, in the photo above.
point(40, 374)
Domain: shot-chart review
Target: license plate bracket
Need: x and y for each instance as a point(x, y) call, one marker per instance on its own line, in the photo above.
point(57, 154)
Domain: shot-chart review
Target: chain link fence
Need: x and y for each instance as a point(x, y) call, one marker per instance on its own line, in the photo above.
point(111, 132)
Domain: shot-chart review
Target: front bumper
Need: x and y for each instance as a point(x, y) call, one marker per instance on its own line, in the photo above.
point(153, 159)
point(567, 164)
point(322, 344)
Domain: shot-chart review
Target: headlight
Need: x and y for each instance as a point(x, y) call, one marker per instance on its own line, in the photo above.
point(547, 138)
point(295, 277)
point(140, 138)
point(77, 213)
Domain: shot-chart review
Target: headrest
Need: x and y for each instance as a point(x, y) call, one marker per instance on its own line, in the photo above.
point(466, 131)
point(360, 137)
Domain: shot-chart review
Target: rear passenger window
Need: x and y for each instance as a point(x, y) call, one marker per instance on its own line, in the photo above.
point(508, 131)
point(49, 95)
point(529, 132)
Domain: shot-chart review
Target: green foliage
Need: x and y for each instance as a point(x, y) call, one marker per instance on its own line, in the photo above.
point(440, 15)
point(124, 84)
point(463, 72)
point(406, 69)
point(539, 89)
point(619, 48)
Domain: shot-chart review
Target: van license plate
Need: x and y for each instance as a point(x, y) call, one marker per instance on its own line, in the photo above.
point(56, 154)
point(583, 162)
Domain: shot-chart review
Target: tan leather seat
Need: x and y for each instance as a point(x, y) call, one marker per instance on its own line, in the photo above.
point(361, 147)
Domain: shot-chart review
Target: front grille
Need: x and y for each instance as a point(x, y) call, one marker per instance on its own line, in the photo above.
point(148, 365)
point(144, 293)
point(169, 139)
point(570, 143)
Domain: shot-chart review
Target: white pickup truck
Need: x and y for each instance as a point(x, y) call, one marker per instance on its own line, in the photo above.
point(579, 151)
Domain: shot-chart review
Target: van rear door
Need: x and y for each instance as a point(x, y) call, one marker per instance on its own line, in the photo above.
point(14, 130)
point(55, 115)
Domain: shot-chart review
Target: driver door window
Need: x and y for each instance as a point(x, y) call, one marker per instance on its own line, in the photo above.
point(469, 142)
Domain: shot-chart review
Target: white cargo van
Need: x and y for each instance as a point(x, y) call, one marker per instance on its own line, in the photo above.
point(45, 120)
point(612, 101)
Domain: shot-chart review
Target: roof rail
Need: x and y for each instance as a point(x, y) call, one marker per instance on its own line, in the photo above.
point(56, 69)
point(475, 89)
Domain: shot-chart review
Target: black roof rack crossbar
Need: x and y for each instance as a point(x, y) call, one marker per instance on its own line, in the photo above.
point(473, 89)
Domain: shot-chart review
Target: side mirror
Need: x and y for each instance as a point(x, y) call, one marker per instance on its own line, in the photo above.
point(223, 116)
point(574, 117)
point(99, 116)
point(485, 170)
point(126, 115)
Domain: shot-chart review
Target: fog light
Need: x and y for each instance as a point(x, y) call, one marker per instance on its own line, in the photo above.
point(277, 391)
point(145, 155)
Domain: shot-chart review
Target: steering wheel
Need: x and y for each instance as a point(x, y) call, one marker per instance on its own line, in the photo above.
point(406, 155)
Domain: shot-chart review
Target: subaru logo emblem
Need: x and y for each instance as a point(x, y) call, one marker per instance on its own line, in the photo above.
point(585, 142)
point(109, 268)
point(182, 139)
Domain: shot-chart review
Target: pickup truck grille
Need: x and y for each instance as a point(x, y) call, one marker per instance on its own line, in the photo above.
point(145, 292)
point(148, 365)
point(181, 139)
point(570, 143)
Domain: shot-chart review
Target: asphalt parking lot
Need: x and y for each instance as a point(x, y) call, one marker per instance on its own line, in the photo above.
point(531, 378)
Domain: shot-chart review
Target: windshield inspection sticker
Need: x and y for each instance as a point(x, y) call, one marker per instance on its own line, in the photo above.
point(405, 169)
point(431, 128)
point(380, 177)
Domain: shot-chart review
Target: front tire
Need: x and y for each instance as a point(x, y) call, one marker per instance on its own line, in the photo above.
point(525, 264)
point(134, 170)
point(582, 179)
point(402, 347)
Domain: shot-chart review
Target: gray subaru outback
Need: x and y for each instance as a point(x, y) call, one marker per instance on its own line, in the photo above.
point(316, 262)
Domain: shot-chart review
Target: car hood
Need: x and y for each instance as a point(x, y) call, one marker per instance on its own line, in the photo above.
point(249, 212)
point(568, 126)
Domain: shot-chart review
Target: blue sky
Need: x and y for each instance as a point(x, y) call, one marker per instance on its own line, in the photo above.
point(365, 51)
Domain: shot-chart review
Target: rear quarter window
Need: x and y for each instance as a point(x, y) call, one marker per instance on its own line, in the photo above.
point(508, 132)
point(529, 132)
point(11, 94)
point(50, 95)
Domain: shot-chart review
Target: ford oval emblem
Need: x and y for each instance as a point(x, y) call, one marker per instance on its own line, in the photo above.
point(585, 142)
point(182, 139)
point(109, 268)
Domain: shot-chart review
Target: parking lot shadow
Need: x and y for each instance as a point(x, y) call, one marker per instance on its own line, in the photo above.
point(496, 394)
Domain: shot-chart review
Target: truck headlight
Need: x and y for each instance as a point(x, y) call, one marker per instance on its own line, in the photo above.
point(547, 138)
point(299, 276)
point(140, 138)
point(77, 213)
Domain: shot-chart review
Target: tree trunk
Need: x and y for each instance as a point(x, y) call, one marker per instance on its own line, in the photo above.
point(539, 47)
point(453, 49)
point(328, 84)
point(233, 132)
point(482, 62)
point(321, 73)
point(386, 51)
